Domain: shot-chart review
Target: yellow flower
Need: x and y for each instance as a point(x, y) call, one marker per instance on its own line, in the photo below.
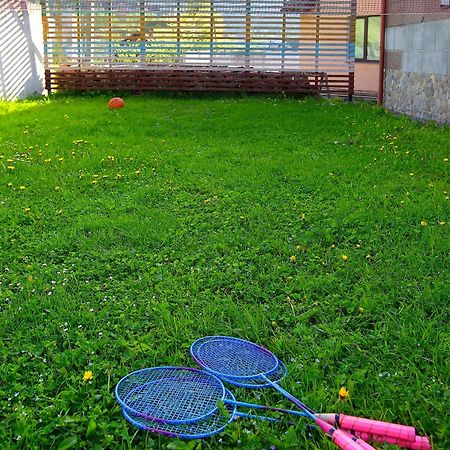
point(344, 258)
point(118, 176)
point(22, 188)
point(10, 184)
point(57, 188)
point(445, 159)
point(48, 160)
point(27, 210)
point(423, 223)
point(10, 167)
point(10, 160)
point(343, 393)
point(30, 278)
point(94, 181)
point(88, 375)
point(138, 172)
point(441, 222)
point(411, 174)
point(361, 310)
point(293, 258)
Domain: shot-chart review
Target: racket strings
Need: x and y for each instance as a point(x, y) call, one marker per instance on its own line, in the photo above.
point(259, 382)
point(207, 427)
point(170, 394)
point(233, 358)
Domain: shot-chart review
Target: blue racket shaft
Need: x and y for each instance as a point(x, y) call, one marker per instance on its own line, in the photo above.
point(266, 408)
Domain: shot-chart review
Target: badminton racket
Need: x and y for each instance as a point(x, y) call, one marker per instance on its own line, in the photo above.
point(244, 363)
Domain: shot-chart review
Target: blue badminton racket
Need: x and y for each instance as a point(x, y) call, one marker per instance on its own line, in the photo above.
point(242, 362)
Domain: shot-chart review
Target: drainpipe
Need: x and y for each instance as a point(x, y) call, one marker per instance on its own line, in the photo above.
point(382, 45)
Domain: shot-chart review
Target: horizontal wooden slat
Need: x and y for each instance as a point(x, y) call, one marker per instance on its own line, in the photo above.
point(257, 46)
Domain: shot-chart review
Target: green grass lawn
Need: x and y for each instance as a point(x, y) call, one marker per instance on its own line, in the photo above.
point(317, 229)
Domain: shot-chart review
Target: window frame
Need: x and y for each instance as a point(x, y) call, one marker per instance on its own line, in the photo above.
point(365, 41)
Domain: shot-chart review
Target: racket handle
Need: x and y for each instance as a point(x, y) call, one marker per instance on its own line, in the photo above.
point(421, 442)
point(373, 427)
point(339, 437)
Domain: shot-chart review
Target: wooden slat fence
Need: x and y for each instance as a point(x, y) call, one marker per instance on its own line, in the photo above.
point(214, 45)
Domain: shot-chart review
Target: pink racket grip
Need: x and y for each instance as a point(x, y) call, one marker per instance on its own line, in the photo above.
point(340, 438)
point(421, 442)
point(375, 427)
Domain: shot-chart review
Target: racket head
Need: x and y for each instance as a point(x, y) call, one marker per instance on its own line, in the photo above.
point(168, 394)
point(255, 383)
point(233, 358)
point(214, 424)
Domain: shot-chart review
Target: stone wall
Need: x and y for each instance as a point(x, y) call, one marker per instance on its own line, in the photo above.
point(417, 70)
point(21, 50)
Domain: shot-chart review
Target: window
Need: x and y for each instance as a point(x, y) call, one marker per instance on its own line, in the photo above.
point(445, 2)
point(367, 45)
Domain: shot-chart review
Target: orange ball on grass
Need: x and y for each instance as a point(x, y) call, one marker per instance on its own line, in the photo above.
point(116, 103)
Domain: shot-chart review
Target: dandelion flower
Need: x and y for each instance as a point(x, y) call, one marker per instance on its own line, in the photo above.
point(94, 181)
point(423, 223)
point(343, 393)
point(293, 258)
point(88, 375)
point(10, 160)
point(344, 258)
point(10, 184)
point(441, 222)
point(138, 172)
point(57, 188)
point(361, 310)
point(10, 167)
point(22, 188)
point(27, 210)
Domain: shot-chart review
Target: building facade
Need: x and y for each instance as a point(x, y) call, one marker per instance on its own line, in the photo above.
point(417, 59)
